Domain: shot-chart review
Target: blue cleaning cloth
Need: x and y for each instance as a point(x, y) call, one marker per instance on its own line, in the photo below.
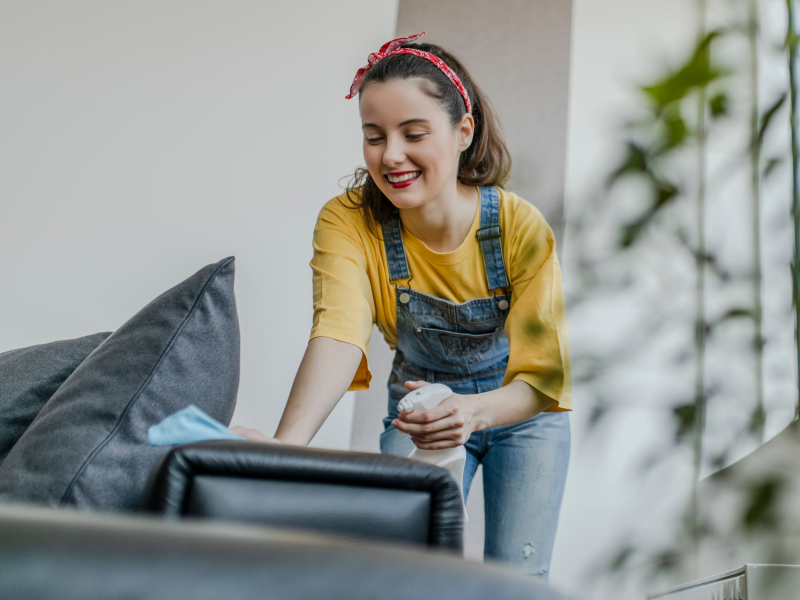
point(186, 426)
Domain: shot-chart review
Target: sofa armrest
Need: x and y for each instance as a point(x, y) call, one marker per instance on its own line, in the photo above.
point(66, 554)
point(358, 494)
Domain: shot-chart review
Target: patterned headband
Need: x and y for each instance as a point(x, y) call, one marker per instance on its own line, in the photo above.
point(390, 48)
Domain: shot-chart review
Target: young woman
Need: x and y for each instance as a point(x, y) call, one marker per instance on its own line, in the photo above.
point(461, 277)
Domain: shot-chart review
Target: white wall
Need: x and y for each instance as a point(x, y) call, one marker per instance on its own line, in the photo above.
point(143, 140)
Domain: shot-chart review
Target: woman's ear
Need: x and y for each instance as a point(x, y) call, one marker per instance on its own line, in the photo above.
point(466, 129)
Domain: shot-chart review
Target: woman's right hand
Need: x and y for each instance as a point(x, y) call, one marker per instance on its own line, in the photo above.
point(253, 434)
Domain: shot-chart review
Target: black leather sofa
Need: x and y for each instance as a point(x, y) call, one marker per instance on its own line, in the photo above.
point(358, 494)
point(238, 520)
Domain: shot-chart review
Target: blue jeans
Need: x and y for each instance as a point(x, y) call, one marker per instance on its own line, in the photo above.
point(524, 471)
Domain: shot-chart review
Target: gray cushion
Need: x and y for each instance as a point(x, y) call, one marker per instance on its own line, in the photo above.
point(88, 446)
point(29, 376)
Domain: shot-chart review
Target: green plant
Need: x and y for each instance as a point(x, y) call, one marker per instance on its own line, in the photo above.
point(654, 205)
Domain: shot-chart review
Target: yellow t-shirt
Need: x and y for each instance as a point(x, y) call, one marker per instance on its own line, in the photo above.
point(352, 291)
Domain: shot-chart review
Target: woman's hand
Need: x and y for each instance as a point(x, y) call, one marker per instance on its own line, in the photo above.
point(445, 426)
point(253, 434)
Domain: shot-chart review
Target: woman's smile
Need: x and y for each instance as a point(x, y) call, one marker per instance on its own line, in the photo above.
point(403, 180)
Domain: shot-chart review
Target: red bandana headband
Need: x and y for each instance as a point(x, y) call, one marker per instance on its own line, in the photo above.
point(390, 48)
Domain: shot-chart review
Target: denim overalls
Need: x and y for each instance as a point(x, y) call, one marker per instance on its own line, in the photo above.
point(465, 347)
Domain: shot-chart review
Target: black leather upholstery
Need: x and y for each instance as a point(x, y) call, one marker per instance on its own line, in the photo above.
point(359, 494)
point(66, 554)
point(368, 512)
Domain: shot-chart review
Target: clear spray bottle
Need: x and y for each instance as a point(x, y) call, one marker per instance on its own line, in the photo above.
point(452, 459)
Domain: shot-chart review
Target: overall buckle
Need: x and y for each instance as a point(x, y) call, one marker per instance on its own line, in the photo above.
point(488, 233)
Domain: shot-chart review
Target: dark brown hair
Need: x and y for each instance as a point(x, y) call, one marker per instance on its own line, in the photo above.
point(486, 161)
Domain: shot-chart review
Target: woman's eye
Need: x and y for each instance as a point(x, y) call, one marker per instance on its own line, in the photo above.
point(411, 137)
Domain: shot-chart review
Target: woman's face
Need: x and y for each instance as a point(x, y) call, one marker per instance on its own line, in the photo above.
point(407, 133)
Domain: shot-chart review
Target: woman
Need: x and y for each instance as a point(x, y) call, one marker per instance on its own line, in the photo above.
point(462, 279)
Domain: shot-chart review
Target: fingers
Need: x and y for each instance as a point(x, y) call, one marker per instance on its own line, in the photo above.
point(440, 429)
point(440, 445)
point(454, 432)
point(252, 434)
point(413, 385)
point(429, 415)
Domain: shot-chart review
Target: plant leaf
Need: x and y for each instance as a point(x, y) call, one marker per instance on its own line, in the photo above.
point(718, 105)
point(767, 117)
point(696, 72)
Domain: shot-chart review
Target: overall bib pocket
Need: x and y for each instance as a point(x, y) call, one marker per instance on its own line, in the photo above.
point(462, 348)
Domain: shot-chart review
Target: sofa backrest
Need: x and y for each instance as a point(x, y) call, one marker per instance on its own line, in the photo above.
point(359, 494)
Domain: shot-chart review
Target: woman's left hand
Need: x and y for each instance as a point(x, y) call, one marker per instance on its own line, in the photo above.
point(253, 434)
point(444, 426)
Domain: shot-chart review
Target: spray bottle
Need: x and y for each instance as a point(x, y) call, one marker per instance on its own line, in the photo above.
point(452, 459)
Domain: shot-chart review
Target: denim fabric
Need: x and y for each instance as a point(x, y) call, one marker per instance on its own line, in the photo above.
point(465, 347)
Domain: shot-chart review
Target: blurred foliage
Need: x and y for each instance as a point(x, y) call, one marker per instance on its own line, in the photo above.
point(667, 131)
point(676, 112)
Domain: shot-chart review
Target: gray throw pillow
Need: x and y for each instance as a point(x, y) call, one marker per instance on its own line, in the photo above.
point(88, 446)
point(29, 376)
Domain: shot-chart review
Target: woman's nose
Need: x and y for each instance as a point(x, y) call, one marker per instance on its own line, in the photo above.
point(394, 153)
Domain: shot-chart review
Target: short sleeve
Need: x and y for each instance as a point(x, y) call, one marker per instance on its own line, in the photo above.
point(536, 324)
point(344, 307)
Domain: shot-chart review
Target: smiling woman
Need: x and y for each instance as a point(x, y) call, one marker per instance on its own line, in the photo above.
point(411, 151)
point(485, 313)
point(454, 101)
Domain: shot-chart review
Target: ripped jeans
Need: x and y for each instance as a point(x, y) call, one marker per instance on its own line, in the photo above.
point(524, 471)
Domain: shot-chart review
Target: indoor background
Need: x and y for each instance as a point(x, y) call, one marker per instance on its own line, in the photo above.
point(143, 140)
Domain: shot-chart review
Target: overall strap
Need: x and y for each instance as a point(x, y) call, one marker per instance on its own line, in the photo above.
point(395, 252)
point(489, 237)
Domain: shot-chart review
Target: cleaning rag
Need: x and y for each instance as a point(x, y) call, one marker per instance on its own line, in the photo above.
point(186, 426)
